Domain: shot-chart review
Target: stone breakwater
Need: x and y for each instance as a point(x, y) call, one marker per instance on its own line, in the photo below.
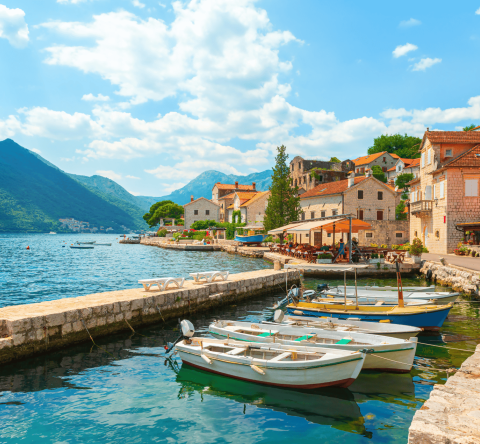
point(460, 279)
point(452, 413)
point(33, 329)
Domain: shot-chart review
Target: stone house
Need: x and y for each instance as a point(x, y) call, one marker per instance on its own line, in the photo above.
point(301, 172)
point(200, 209)
point(223, 194)
point(384, 160)
point(368, 198)
point(446, 192)
point(251, 206)
point(413, 168)
point(400, 168)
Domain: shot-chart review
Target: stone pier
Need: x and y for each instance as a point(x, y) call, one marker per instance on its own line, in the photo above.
point(33, 329)
point(451, 415)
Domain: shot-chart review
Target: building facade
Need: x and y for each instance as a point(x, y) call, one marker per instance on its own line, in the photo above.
point(384, 160)
point(301, 172)
point(200, 209)
point(366, 197)
point(446, 192)
point(252, 207)
point(224, 193)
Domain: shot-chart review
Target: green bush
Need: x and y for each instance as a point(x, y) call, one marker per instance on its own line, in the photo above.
point(324, 256)
point(203, 224)
point(162, 232)
point(374, 256)
point(416, 249)
point(198, 237)
point(268, 239)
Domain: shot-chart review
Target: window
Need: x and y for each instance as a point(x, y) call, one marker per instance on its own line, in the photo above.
point(384, 160)
point(384, 169)
point(299, 165)
point(195, 212)
point(322, 213)
point(303, 216)
point(380, 215)
point(312, 215)
point(380, 195)
point(471, 187)
point(368, 234)
point(448, 153)
point(437, 234)
point(321, 178)
point(207, 212)
point(423, 159)
point(360, 214)
point(415, 234)
point(293, 166)
point(329, 234)
point(360, 194)
point(334, 212)
point(398, 234)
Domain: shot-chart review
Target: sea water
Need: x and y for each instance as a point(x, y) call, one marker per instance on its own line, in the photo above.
point(126, 390)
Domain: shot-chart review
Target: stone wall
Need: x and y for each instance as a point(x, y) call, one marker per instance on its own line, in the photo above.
point(451, 414)
point(384, 232)
point(34, 329)
point(460, 279)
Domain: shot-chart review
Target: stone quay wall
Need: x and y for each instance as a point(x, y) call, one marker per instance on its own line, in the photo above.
point(129, 241)
point(460, 279)
point(34, 329)
point(162, 243)
point(451, 414)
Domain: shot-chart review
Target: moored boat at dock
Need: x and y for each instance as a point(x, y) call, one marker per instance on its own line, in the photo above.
point(385, 353)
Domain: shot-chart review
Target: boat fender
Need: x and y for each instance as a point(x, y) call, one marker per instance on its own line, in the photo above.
point(206, 359)
point(298, 312)
point(429, 274)
point(257, 369)
point(384, 321)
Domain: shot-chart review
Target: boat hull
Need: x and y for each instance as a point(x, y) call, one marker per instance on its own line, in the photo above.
point(430, 321)
point(438, 298)
point(256, 239)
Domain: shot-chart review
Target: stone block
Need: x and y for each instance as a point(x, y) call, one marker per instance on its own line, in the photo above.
point(137, 304)
point(119, 317)
point(110, 319)
point(6, 343)
point(86, 312)
point(18, 338)
point(66, 328)
point(38, 322)
point(72, 315)
point(116, 308)
point(18, 326)
point(125, 306)
point(52, 331)
point(101, 321)
point(77, 326)
point(55, 319)
point(40, 334)
point(91, 323)
point(100, 310)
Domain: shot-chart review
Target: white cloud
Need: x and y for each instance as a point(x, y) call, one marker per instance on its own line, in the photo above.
point(98, 98)
point(134, 193)
point(401, 50)
point(477, 11)
point(73, 2)
point(170, 187)
point(132, 177)
point(423, 64)
point(409, 23)
point(109, 174)
point(138, 4)
point(35, 150)
point(13, 26)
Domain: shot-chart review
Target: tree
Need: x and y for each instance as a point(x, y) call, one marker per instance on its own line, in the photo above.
point(400, 211)
point(470, 127)
point(403, 179)
point(403, 146)
point(165, 209)
point(379, 174)
point(283, 205)
point(335, 159)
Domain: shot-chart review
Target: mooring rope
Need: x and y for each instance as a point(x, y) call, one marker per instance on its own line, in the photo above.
point(450, 370)
point(449, 348)
point(101, 348)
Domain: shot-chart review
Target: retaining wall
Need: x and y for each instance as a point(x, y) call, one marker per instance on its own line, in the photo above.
point(33, 329)
point(460, 279)
point(451, 415)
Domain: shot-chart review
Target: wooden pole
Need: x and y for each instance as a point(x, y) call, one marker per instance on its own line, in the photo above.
point(356, 293)
point(350, 240)
point(400, 288)
point(345, 287)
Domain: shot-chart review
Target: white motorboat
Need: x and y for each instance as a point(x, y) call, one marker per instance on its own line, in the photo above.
point(437, 298)
point(345, 325)
point(385, 353)
point(273, 364)
point(103, 245)
point(82, 247)
point(368, 301)
point(390, 288)
point(52, 232)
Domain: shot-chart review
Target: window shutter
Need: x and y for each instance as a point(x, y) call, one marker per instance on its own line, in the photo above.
point(471, 187)
point(442, 189)
point(428, 192)
point(423, 160)
point(429, 154)
point(434, 190)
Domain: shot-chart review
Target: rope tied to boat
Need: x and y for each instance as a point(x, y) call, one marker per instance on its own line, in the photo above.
point(450, 348)
point(101, 348)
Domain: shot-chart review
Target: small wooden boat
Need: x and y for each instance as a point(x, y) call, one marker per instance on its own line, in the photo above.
point(435, 297)
point(52, 232)
point(368, 301)
point(428, 317)
point(254, 239)
point(86, 243)
point(398, 353)
point(81, 247)
point(346, 325)
point(103, 245)
point(273, 364)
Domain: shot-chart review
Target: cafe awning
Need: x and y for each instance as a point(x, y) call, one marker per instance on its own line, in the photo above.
point(344, 226)
point(284, 228)
point(307, 226)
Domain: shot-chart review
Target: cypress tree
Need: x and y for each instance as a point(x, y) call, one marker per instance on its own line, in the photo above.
point(283, 204)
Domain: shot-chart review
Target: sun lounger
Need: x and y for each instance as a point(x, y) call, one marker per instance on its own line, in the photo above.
point(162, 283)
point(197, 242)
point(209, 276)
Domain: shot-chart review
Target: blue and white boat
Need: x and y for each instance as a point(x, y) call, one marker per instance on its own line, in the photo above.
point(254, 239)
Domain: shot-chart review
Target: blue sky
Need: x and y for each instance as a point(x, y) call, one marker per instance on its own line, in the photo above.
point(152, 93)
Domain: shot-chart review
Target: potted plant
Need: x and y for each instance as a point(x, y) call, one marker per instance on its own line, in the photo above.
point(376, 258)
point(416, 250)
point(324, 258)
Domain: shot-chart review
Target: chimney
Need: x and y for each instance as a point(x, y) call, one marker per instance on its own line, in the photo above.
point(428, 129)
point(191, 198)
point(253, 185)
point(351, 179)
point(236, 184)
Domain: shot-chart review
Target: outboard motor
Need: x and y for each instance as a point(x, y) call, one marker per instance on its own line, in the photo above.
point(187, 329)
point(323, 287)
point(278, 316)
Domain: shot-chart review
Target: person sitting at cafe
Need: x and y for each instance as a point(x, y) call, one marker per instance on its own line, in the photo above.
point(325, 247)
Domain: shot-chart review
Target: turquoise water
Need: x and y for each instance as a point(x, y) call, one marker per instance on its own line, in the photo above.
point(129, 392)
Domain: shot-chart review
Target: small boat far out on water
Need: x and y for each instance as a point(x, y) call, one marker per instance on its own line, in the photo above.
point(278, 365)
point(86, 243)
point(52, 232)
point(82, 247)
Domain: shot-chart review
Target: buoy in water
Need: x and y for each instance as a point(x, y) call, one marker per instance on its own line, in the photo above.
point(28, 247)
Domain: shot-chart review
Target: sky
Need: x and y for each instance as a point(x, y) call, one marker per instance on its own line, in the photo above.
point(152, 93)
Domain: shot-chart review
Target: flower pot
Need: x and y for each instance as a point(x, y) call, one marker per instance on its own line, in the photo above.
point(324, 261)
point(375, 261)
point(417, 259)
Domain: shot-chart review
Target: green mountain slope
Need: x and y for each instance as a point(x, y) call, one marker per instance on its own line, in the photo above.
point(34, 195)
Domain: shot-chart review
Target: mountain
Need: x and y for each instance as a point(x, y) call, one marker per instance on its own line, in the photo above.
point(35, 194)
point(202, 186)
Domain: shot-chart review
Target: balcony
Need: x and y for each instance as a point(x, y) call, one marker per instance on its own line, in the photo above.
point(421, 208)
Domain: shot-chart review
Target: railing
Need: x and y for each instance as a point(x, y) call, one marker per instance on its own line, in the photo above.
point(421, 206)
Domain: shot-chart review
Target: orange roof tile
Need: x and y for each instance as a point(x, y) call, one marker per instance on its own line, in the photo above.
point(413, 163)
point(470, 158)
point(228, 186)
point(330, 188)
point(367, 159)
point(227, 196)
point(254, 198)
point(452, 137)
